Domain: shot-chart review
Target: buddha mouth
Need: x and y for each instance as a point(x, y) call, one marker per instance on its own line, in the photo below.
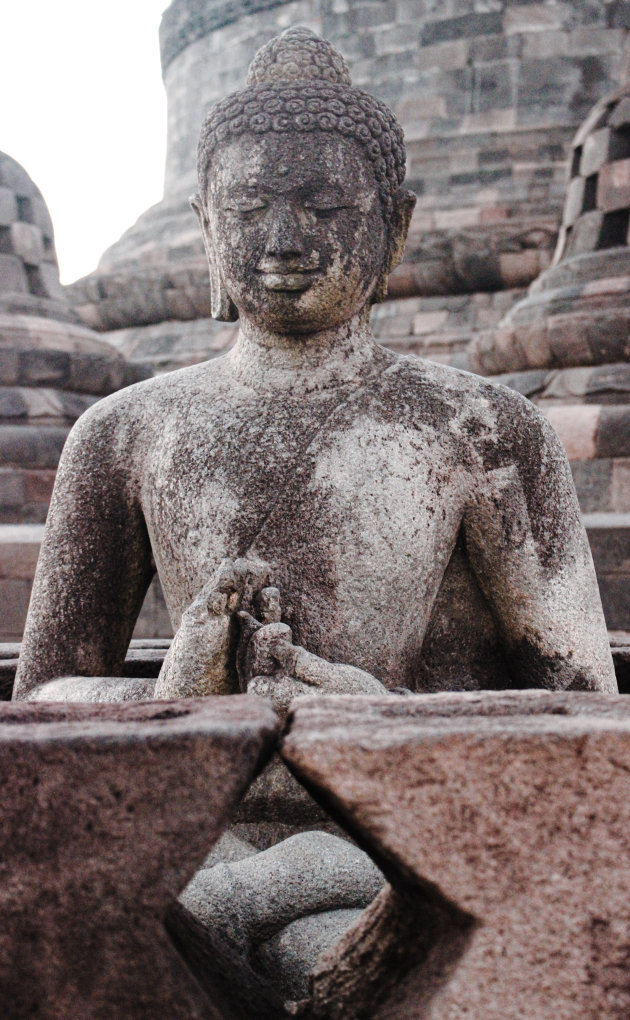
point(279, 276)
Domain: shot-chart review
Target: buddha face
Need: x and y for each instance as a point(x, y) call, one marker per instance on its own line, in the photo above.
point(295, 227)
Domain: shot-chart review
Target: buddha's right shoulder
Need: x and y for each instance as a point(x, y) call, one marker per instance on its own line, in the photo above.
point(144, 408)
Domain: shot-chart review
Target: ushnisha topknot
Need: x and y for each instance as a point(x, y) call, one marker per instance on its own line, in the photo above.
point(298, 82)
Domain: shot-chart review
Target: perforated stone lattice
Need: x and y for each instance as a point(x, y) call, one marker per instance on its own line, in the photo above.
point(597, 210)
point(27, 252)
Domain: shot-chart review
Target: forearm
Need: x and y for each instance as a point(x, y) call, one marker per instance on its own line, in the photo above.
point(93, 570)
point(334, 677)
point(538, 577)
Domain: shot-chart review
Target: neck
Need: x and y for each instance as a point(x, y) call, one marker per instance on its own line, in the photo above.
point(320, 360)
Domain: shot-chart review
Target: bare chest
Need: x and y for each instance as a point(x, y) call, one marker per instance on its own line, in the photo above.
point(357, 519)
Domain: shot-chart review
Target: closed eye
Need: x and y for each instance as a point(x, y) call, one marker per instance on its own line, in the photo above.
point(322, 211)
point(247, 211)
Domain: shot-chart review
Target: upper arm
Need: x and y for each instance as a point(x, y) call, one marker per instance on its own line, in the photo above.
point(528, 548)
point(95, 562)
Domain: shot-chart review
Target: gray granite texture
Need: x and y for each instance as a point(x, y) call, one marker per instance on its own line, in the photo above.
point(326, 516)
point(420, 524)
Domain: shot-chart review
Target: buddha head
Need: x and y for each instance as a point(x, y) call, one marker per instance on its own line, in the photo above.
point(300, 199)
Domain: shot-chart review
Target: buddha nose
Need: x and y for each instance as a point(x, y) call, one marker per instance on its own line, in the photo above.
point(285, 237)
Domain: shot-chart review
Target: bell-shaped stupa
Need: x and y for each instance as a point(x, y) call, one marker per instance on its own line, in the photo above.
point(52, 368)
point(566, 344)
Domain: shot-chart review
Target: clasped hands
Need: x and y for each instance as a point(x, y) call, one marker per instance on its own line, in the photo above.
point(231, 639)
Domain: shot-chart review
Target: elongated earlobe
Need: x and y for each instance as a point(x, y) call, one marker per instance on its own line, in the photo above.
point(222, 307)
point(404, 204)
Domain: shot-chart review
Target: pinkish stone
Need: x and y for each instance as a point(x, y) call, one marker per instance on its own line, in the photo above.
point(510, 811)
point(107, 811)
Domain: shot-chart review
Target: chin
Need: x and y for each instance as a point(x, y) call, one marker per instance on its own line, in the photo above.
point(298, 312)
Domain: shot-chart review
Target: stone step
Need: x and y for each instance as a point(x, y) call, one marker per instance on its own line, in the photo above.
point(25, 494)
point(609, 537)
point(19, 549)
point(603, 484)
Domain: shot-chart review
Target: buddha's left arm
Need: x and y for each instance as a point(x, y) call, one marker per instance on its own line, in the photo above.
point(95, 562)
point(528, 548)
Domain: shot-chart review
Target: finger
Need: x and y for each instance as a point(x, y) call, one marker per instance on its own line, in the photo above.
point(247, 628)
point(259, 655)
point(248, 625)
point(269, 608)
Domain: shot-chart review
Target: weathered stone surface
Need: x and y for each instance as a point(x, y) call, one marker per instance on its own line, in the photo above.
point(326, 516)
point(488, 120)
point(88, 876)
point(512, 807)
point(52, 368)
point(440, 452)
point(266, 910)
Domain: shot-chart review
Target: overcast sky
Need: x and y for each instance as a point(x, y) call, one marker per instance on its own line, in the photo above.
point(83, 110)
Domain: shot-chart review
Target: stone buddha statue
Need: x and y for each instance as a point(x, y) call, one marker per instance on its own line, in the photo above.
point(325, 516)
point(378, 522)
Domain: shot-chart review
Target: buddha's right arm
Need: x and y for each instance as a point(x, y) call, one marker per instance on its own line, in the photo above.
point(95, 562)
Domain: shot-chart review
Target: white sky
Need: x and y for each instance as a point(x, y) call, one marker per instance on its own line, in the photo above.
point(83, 109)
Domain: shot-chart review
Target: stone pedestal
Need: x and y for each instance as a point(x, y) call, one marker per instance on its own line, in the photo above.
point(107, 811)
point(504, 815)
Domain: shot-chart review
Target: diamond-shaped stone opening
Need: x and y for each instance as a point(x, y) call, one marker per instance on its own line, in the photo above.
point(243, 927)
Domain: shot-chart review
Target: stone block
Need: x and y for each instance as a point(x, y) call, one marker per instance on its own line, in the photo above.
point(502, 816)
point(372, 14)
point(577, 426)
point(14, 596)
point(19, 549)
point(615, 595)
point(26, 241)
point(523, 18)
point(613, 437)
point(41, 217)
point(465, 27)
point(609, 537)
point(8, 207)
point(11, 488)
point(31, 445)
point(12, 275)
point(595, 151)
point(41, 367)
point(620, 485)
point(49, 277)
point(86, 935)
point(568, 342)
point(428, 322)
point(38, 486)
point(493, 86)
point(518, 268)
point(613, 186)
point(538, 44)
point(593, 484)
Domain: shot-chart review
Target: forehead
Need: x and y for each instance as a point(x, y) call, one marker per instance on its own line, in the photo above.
point(282, 161)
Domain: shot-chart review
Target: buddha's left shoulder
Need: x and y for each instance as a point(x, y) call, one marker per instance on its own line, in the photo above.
point(490, 414)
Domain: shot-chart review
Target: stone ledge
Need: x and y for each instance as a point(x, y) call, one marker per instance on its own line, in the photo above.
point(504, 814)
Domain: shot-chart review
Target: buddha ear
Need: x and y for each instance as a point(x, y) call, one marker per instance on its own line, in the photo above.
point(404, 203)
point(221, 305)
